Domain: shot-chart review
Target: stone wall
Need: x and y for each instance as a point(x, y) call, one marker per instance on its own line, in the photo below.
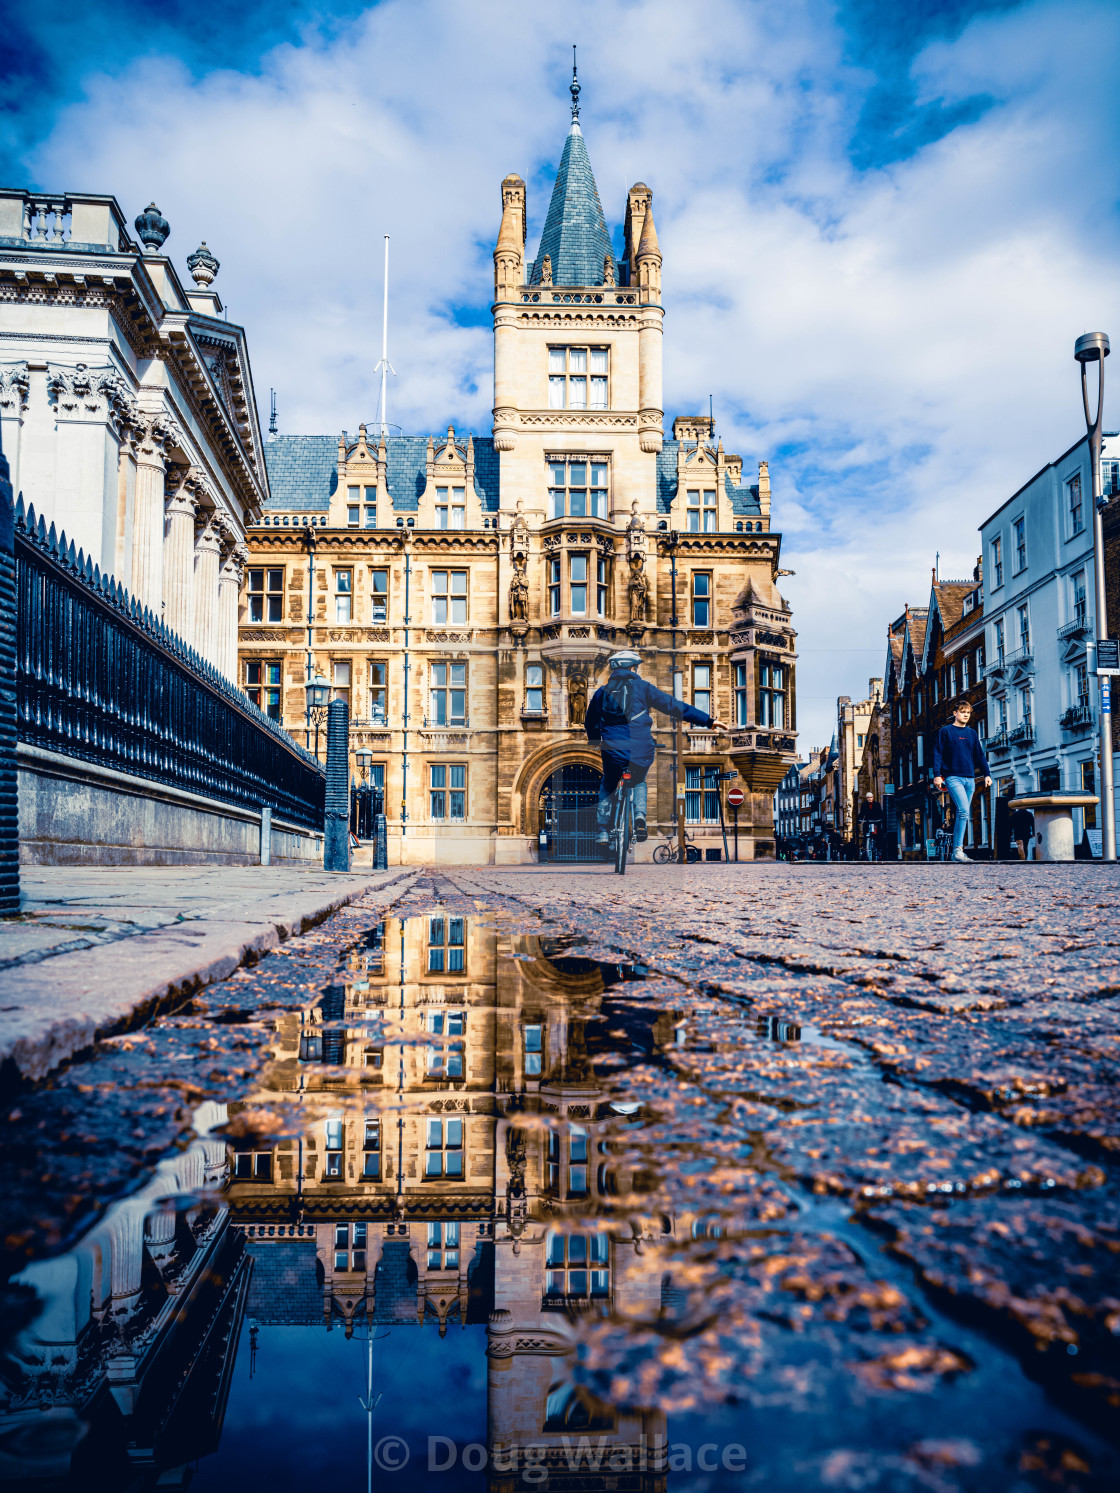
point(74, 813)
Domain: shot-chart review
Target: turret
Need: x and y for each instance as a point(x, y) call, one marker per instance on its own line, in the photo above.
point(509, 252)
point(648, 258)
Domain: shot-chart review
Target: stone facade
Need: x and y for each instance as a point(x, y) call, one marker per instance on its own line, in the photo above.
point(465, 592)
point(127, 411)
point(853, 725)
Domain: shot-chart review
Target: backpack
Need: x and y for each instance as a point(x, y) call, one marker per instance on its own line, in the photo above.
point(619, 700)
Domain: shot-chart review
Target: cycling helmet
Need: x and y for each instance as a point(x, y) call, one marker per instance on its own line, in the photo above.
point(626, 659)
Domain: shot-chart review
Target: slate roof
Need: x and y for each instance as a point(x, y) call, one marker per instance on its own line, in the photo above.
point(744, 500)
point(303, 472)
point(575, 232)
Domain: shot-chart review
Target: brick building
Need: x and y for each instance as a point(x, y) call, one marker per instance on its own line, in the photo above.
point(463, 592)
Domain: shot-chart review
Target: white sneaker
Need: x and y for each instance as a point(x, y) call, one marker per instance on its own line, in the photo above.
point(602, 838)
point(959, 855)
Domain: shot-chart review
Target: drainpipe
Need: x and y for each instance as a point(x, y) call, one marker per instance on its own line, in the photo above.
point(404, 750)
point(309, 535)
point(678, 694)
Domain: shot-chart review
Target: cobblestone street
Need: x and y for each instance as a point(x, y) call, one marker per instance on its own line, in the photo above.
point(837, 1142)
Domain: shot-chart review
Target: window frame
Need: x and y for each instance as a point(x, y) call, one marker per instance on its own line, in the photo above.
point(589, 492)
point(742, 694)
point(451, 599)
point(261, 690)
point(267, 598)
point(702, 510)
point(343, 596)
point(575, 385)
point(769, 692)
point(378, 599)
point(703, 686)
point(996, 546)
point(444, 691)
point(378, 691)
point(1075, 504)
point(534, 689)
point(447, 792)
point(701, 601)
point(451, 508)
point(1019, 540)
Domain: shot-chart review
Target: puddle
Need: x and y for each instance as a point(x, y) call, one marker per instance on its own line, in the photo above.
point(462, 1203)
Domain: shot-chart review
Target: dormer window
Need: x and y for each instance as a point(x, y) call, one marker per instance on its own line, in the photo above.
point(701, 511)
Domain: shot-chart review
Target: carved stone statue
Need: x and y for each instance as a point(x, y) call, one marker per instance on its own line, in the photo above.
point(608, 269)
point(519, 592)
point(635, 533)
point(638, 589)
point(546, 270)
point(577, 699)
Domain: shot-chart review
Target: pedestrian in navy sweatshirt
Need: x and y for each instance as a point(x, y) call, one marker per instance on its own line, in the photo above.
point(957, 758)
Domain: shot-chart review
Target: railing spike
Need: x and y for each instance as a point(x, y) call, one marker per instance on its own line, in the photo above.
point(52, 537)
point(75, 558)
point(20, 518)
point(96, 577)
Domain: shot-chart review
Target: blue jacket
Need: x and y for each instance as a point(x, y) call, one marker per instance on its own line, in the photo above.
point(633, 740)
point(957, 753)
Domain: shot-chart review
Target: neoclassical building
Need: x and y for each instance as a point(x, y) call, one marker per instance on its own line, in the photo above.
point(127, 410)
point(463, 592)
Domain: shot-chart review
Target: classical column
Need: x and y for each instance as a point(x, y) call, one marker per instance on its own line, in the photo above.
point(147, 523)
point(178, 557)
point(15, 380)
point(207, 560)
point(229, 588)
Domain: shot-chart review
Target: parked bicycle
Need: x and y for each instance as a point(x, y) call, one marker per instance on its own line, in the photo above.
point(669, 853)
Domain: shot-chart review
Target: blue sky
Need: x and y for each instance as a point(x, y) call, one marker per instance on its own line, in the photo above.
point(883, 225)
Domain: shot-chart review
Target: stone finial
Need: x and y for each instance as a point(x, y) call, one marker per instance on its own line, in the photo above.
point(153, 228)
point(203, 266)
point(608, 269)
point(546, 270)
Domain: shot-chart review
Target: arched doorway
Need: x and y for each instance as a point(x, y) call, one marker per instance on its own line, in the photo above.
point(567, 813)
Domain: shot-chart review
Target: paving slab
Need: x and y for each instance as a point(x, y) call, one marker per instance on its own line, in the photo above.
point(97, 949)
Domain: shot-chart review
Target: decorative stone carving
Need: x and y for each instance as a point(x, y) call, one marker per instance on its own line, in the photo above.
point(636, 542)
point(203, 266)
point(519, 533)
point(638, 591)
point(72, 389)
point(14, 382)
point(577, 698)
point(153, 228)
point(608, 269)
point(519, 591)
point(546, 270)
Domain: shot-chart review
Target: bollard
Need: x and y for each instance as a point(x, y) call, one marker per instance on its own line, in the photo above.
point(266, 836)
point(336, 836)
point(381, 862)
point(9, 783)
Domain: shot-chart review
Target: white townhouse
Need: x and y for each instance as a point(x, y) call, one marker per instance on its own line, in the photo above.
point(1039, 616)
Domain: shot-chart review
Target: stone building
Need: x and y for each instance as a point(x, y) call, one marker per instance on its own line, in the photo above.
point(463, 592)
point(127, 410)
point(853, 724)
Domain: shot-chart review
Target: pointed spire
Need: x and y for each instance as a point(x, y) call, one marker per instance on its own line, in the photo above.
point(574, 90)
point(575, 240)
point(647, 244)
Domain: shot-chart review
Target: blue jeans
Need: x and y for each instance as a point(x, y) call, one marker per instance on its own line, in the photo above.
point(960, 791)
point(613, 768)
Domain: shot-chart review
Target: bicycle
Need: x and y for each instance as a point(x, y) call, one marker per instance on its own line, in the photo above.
point(668, 854)
point(869, 850)
point(621, 830)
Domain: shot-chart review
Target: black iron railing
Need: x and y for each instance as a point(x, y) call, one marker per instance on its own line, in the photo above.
point(100, 678)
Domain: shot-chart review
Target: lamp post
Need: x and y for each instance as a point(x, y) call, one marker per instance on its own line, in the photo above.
point(363, 757)
point(1092, 347)
point(317, 689)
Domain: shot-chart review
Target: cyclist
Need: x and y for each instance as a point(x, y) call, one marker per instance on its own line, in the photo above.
point(870, 823)
point(619, 723)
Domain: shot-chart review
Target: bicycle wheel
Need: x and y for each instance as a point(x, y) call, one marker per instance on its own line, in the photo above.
point(691, 854)
point(663, 855)
point(622, 830)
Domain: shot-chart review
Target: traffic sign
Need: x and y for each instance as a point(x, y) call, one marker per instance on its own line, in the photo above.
point(735, 797)
point(729, 775)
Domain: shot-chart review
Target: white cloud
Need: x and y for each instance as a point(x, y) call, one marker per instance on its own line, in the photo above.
point(903, 335)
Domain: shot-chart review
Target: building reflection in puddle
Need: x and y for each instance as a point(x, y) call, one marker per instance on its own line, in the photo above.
point(454, 1167)
point(430, 1148)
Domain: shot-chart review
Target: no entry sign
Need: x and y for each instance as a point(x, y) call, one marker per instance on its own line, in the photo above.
point(735, 797)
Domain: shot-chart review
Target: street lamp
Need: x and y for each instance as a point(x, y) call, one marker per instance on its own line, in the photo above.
point(317, 689)
point(1092, 347)
point(363, 757)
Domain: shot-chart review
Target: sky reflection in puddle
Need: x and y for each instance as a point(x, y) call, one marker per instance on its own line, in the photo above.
point(519, 1205)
